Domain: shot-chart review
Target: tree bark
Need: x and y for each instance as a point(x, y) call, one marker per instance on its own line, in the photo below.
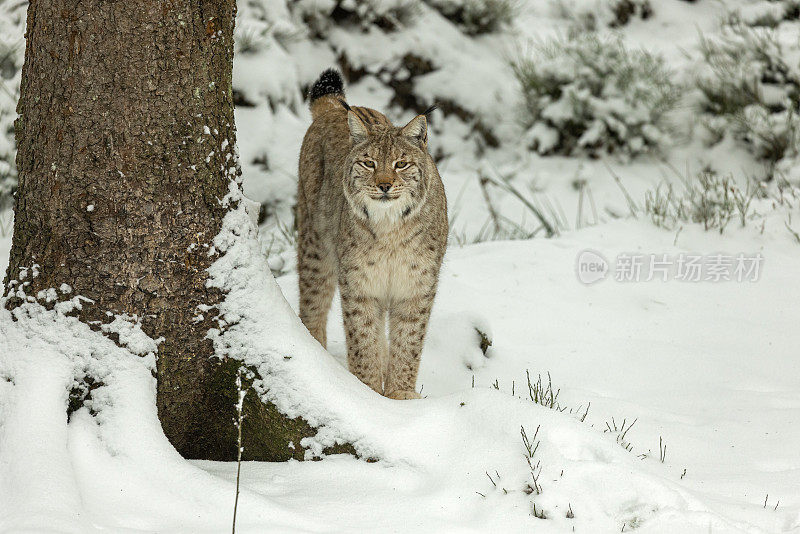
point(125, 151)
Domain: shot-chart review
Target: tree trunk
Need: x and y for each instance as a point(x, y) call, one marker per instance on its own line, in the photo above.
point(125, 152)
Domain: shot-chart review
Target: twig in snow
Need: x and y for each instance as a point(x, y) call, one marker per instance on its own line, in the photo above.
point(621, 432)
point(593, 205)
point(239, 418)
point(483, 181)
point(579, 216)
point(583, 417)
point(505, 185)
point(678, 233)
point(792, 231)
point(530, 446)
point(631, 203)
point(541, 394)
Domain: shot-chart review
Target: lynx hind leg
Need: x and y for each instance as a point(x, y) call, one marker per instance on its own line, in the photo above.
point(316, 268)
point(407, 323)
point(365, 331)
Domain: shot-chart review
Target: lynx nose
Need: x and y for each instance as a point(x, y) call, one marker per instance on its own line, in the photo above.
point(385, 186)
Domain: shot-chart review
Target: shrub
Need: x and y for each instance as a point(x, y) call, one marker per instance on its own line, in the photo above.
point(749, 90)
point(8, 168)
point(768, 13)
point(707, 198)
point(389, 15)
point(592, 95)
point(249, 40)
point(476, 17)
point(12, 50)
point(591, 16)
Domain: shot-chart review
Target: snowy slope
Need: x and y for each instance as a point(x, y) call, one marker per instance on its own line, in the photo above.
point(709, 367)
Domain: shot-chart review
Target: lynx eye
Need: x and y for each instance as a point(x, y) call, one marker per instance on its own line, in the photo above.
point(368, 164)
point(401, 164)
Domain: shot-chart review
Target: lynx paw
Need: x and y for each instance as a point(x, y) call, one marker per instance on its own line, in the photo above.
point(402, 394)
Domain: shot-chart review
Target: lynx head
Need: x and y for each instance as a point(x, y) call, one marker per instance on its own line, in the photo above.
point(388, 170)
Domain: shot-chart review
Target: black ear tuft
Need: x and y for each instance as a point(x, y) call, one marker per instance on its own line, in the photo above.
point(417, 129)
point(329, 83)
point(433, 107)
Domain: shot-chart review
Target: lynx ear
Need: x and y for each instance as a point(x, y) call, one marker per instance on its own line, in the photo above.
point(417, 130)
point(358, 131)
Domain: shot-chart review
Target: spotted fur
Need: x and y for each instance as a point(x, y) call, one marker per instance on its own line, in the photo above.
point(372, 218)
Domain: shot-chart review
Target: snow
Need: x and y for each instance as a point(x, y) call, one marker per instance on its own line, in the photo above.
point(707, 369)
point(687, 360)
point(637, 350)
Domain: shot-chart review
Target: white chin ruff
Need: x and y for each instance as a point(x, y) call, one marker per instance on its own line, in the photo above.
point(386, 211)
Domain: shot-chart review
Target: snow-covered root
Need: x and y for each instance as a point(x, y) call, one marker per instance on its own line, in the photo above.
point(37, 483)
point(112, 468)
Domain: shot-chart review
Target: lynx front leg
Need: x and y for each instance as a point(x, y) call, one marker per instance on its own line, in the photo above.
point(365, 331)
point(408, 320)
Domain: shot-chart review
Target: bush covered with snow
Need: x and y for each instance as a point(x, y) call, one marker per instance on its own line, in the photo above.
point(477, 17)
point(593, 95)
point(389, 15)
point(8, 168)
point(768, 13)
point(592, 16)
point(12, 52)
point(750, 87)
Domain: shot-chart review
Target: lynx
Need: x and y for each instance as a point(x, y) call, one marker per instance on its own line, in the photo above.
point(372, 217)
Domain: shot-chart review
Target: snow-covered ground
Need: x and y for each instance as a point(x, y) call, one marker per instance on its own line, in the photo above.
point(708, 368)
point(709, 371)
